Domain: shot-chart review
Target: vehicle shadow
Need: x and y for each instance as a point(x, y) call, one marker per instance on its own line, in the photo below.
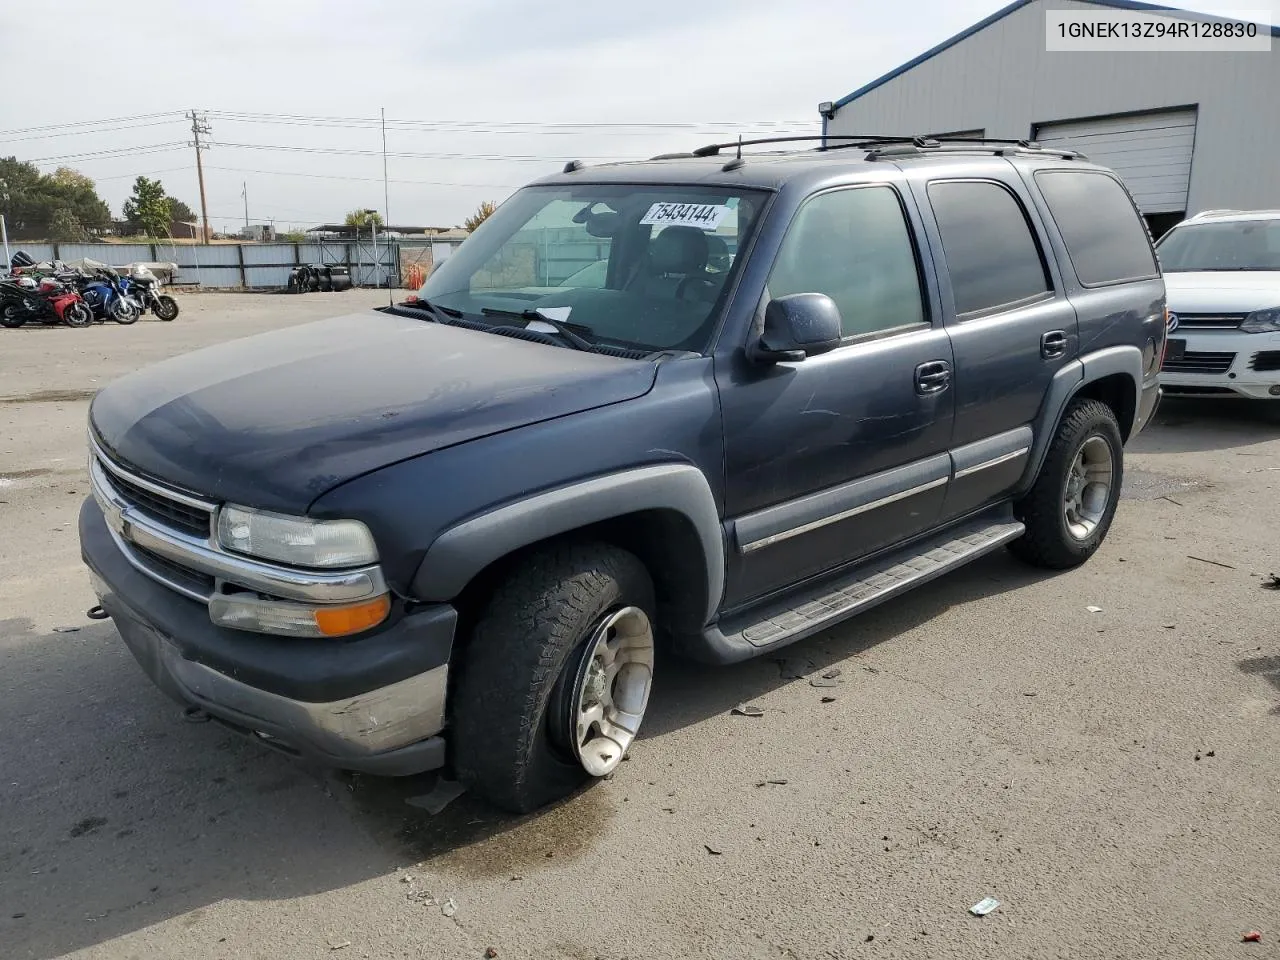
point(117, 814)
point(1189, 425)
point(1266, 667)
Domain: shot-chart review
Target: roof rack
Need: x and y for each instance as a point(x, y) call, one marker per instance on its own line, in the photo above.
point(894, 145)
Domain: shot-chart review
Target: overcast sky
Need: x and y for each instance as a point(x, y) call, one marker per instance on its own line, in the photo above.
point(494, 63)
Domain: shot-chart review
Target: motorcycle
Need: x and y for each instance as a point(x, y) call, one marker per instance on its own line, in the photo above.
point(143, 287)
point(47, 301)
point(108, 296)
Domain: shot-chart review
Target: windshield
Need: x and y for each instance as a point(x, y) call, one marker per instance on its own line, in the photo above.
point(627, 264)
point(1236, 245)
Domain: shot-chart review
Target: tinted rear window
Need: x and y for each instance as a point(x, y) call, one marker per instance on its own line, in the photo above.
point(1105, 238)
point(992, 257)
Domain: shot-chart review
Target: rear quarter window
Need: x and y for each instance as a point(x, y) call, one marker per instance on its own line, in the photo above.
point(1104, 235)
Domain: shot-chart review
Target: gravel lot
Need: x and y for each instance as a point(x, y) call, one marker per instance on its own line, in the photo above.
point(1109, 777)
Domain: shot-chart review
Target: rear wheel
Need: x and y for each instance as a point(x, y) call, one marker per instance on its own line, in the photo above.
point(78, 315)
point(554, 682)
point(12, 316)
point(1069, 509)
point(166, 308)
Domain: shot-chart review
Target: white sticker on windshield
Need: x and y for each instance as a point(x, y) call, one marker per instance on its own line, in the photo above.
point(705, 216)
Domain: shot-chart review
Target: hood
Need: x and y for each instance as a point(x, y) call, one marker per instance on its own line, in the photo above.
point(1225, 291)
point(275, 420)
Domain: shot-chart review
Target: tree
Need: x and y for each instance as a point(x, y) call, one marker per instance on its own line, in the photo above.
point(362, 218)
point(37, 206)
point(483, 213)
point(148, 211)
point(179, 212)
point(295, 236)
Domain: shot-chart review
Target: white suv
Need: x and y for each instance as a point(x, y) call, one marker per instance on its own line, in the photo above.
point(1222, 275)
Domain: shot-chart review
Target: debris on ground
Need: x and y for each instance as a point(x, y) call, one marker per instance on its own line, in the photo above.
point(1271, 582)
point(66, 629)
point(871, 669)
point(449, 907)
point(828, 699)
point(1028, 693)
point(443, 794)
point(1213, 562)
point(712, 850)
point(776, 783)
point(1253, 936)
point(341, 945)
point(831, 674)
point(794, 668)
point(823, 681)
point(1094, 609)
point(490, 953)
point(747, 710)
point(984, 906)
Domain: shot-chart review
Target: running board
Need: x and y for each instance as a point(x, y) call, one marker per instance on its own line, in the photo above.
point(866, 585)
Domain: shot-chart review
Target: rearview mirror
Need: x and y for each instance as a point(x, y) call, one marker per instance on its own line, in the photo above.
point(796, 326)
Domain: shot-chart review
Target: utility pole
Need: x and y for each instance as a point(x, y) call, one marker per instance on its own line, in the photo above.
point(200, 125)
point(244, 192)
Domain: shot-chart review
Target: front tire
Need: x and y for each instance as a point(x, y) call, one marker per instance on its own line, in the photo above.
point(124, 313)
point(1069, 509)
point(166, 308)
point(78, 315)
point(556, 677)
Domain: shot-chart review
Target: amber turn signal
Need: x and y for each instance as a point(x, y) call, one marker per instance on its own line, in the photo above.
point(340, 621)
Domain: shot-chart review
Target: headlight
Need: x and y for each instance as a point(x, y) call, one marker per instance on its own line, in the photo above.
point(295, 540)
point(1262, 321)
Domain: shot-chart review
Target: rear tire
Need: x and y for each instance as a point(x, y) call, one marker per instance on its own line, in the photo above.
point(12, 316)
point(1069, 509)
point(521, 676)
point(166, 308)
point(78, 315)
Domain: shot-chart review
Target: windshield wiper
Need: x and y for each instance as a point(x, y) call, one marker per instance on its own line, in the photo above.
point(576, 340)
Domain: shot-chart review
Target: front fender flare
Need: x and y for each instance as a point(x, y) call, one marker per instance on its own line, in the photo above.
point(463, 550)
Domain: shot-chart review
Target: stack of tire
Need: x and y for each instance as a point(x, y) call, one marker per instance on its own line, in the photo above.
point(313, 277)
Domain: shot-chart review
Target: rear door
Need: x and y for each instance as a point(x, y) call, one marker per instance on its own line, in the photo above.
point(1011, 325)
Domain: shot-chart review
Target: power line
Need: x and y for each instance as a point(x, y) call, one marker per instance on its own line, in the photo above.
point(94, 131)
point(494, 126)
point(90, 123)
point(150, 148)
point(334, 176)
point(342, 151)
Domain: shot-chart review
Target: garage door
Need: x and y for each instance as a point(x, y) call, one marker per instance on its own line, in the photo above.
point(1150, 151)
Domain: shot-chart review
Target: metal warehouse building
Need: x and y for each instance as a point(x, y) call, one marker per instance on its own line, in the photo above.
point(1188, 131)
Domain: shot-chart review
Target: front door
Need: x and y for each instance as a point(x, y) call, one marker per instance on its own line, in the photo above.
point(834, 457)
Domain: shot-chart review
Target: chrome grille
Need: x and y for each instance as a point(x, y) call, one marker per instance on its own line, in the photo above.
point(1200, 361)
point(1209, 321)
point(171, 513)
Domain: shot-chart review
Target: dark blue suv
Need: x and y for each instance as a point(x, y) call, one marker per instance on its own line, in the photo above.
point(450, 533)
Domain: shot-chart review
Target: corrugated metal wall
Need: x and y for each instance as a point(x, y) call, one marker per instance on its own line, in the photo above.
point(1003, 80)
point(232, 265)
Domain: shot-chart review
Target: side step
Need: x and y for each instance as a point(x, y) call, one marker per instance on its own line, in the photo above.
point(861, 588)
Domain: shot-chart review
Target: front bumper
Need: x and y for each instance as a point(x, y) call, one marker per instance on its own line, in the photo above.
point(371, 703)
point(1224, 363)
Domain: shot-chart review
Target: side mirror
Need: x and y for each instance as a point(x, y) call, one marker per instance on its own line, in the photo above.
point(796, 326)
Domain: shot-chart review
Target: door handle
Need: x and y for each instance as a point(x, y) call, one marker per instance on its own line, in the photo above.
point(1053, 344)
point(933, 377)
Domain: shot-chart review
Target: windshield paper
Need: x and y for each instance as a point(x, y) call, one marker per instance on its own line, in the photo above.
point(705, 216)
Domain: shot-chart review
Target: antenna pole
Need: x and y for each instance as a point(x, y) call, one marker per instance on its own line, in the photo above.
point(386, 201)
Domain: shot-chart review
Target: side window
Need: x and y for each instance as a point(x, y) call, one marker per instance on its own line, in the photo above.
point(992, 256)
point(1105, 239)
point(855, 246)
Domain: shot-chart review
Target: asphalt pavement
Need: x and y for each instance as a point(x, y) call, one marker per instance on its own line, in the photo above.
point(1109, 776)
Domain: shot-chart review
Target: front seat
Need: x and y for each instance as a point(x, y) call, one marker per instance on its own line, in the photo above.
point(675, 254)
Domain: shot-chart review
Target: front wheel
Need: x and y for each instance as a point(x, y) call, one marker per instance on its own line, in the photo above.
point(165, 308)
point(1069, 509)
point(125, 312)
point(555, 679)
point(78, 315)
